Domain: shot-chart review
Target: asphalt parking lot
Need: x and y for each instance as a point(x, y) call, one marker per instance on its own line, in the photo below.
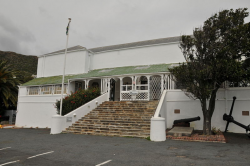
point(37, 147)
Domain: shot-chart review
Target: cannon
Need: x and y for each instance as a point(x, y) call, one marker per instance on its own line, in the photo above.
point(229, 118)
point(185, 122)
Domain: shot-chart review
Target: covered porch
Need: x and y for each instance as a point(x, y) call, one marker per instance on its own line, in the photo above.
point(127, 87)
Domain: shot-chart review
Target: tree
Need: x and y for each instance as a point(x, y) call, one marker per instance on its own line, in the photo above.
point(214, 55)
point(8, 86)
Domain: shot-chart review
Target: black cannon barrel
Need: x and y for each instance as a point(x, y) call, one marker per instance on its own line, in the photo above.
point(187, 120)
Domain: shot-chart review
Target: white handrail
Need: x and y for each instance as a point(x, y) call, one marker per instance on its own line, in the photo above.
point(85, 109)
point(159, 107)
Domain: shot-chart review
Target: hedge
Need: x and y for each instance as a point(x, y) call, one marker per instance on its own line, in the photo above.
point(77, 99)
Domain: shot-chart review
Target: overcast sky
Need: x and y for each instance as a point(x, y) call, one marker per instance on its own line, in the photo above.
point(36, 27)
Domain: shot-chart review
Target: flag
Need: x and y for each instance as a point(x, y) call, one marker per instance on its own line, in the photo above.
point(67, 29)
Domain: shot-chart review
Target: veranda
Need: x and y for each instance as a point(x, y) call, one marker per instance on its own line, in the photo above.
point(120, 88)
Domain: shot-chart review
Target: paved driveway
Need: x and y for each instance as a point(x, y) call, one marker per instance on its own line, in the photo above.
point(38, 147)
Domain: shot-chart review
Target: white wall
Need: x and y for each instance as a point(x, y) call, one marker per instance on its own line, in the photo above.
point(35, 111)
point(176, 99)
point(158, 54)
point(76, 63)
point(80, 62)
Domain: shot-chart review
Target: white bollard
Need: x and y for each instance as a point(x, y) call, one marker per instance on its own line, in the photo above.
point(58, 124)
point(158, 129)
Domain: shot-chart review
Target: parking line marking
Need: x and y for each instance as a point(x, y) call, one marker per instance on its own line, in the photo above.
point(5, 148)
point(10, 162)
point(40, 154)
point(104, 163)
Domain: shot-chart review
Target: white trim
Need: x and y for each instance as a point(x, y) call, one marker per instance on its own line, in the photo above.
point(41, 85)
point(37, 102)
point(50, 54)
point(159, 44)
point(161, 102)
point(236, 88)
point(85, 49)
point(124, 75)
point(54, 95)
point(186, 100)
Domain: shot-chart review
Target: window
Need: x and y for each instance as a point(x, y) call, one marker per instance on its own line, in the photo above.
point(58, 88)
point(33, 90)
point(46, 90)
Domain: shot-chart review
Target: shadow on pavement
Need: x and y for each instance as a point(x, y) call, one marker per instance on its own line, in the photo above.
point(236, 138)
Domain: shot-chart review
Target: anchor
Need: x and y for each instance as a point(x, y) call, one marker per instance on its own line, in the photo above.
point(229, 118)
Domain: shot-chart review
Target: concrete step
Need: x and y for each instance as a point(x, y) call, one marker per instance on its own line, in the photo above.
point(130, 118)
point(96, 126)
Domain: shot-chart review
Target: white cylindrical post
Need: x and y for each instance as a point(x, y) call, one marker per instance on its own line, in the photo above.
point(58, 124)
point(158, 129)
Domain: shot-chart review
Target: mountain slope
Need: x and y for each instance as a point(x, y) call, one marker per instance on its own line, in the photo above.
point(23, 63)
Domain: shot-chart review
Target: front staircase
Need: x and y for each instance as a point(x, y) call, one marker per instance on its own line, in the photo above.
point(117, 118)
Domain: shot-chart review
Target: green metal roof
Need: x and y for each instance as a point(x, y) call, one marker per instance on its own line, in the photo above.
point(100, 73)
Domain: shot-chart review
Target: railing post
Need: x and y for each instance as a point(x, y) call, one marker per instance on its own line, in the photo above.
point(148, 77)
point(162, 83)
point(121, 85)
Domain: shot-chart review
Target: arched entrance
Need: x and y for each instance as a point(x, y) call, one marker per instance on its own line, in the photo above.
point(96, 83)
point(142, 88)
point(126, 87)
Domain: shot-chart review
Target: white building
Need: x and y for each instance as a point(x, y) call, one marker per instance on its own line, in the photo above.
point(118, 69)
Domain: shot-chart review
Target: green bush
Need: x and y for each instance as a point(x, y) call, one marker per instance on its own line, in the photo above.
point(77, 99)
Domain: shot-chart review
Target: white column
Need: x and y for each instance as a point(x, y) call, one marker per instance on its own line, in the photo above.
point(87, 84)
point(67, 91)
point(162, 83)
point(170, 83)
point(148, 77)
point(108, 88)
point(121, 83)
point(105, 85)
point(101, 87)
point(134, 79)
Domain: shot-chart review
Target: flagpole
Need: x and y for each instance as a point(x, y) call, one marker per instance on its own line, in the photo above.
point(64, 65)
